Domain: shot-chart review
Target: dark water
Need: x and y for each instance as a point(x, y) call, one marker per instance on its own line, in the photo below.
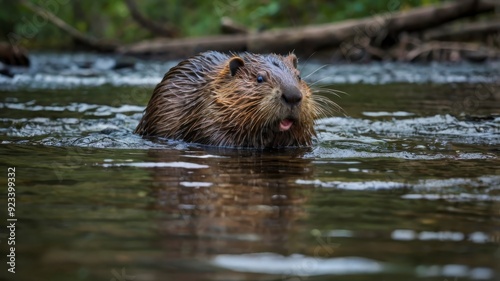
point(405, 186)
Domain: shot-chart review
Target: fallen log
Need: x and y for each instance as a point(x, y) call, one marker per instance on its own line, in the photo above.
point(307, 40)
point(181, 48)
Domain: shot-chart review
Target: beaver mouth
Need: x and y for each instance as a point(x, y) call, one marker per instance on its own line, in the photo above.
point(286, 124)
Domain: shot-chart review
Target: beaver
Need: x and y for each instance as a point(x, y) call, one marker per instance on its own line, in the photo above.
point(234, 100)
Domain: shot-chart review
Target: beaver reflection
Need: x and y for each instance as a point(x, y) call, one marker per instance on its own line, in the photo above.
point(234, 202)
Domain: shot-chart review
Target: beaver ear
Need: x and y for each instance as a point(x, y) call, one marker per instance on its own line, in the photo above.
point(292, 59)
point(234, 64)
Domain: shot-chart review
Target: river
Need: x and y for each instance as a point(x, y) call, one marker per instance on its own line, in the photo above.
point(402, 185)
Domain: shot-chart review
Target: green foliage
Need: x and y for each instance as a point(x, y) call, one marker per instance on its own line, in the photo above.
point(111, 20)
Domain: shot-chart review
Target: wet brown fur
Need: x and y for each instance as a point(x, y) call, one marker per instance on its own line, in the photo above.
point(215, 99)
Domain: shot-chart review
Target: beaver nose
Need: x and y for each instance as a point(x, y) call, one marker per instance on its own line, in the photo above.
point(291, 95)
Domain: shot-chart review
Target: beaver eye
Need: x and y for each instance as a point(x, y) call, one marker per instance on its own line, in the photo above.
point(260, 79)
point(298, 77)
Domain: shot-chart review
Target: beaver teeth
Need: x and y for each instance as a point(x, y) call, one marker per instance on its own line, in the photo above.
point(285, 124)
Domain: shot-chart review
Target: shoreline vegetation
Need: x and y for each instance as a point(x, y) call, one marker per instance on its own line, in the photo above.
point(441, 31)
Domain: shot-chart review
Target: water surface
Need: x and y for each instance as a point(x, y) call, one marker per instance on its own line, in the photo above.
point(404, 185)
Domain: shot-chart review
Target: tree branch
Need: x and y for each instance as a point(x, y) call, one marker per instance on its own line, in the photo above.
point(89, 41)
point(157, 29)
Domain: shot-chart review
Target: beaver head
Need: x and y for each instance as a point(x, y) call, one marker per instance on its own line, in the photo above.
point(245, 100)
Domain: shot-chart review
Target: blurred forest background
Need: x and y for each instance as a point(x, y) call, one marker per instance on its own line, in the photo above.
point(112, 19)
point(356, 30)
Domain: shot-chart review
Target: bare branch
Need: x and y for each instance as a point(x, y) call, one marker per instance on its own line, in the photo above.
point(73, 32)
point(157, 29)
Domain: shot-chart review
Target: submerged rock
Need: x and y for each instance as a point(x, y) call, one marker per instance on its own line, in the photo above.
point(13, 55)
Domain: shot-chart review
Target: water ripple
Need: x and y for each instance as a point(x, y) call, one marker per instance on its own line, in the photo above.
point(62, 71)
